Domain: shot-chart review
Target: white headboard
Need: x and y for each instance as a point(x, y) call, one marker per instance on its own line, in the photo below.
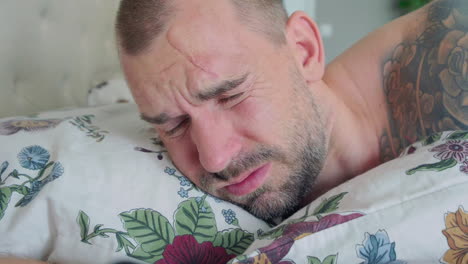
point(53, 51)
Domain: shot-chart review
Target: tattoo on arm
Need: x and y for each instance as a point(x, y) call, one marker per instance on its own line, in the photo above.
point(426, 81)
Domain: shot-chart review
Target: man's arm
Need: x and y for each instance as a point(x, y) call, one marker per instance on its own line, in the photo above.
point(425, 80)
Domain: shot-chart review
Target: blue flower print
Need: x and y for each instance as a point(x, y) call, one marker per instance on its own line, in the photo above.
point(36, 187)
point(56, 172)
point(3, 167)
point(170, 171)
point(184, 182)
point(33, 157)
point(216, 199)
point(229, 216)
point(183, 193)
point(377, 249)
point(199, 201)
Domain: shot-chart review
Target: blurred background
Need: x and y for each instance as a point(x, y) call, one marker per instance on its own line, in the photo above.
point(53, 51)
point(344, 22)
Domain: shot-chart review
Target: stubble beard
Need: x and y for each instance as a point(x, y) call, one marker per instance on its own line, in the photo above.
point(279, 202)
point(308, 148)
point(304, 158)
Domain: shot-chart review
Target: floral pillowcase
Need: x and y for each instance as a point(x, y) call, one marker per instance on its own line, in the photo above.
point(95, 186)
point(409, 210)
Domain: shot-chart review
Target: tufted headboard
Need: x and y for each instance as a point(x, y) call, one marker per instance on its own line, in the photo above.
point(53, 51)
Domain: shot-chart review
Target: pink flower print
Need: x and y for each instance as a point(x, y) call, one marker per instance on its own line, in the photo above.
point(464, 167)
point(452, 149)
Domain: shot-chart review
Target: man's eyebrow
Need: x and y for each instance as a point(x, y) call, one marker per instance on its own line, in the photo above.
point(211, 93)
point(220, 89)
point(158, 120)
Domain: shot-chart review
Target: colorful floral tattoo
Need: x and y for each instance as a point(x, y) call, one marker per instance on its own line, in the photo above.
point(426, 80)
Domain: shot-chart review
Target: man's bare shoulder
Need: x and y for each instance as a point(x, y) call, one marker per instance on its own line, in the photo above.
point(415, 69)
point(425, 78)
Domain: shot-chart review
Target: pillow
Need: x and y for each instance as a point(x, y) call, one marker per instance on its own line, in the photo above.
point(95, 185)
point(409, 210)
point(112, 91)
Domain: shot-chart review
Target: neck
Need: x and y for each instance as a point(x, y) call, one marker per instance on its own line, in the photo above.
point(355, 104)
point(352, 128)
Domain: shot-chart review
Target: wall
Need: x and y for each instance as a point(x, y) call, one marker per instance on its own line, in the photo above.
point(306, 5)
point(53, 51)
point(344, 22)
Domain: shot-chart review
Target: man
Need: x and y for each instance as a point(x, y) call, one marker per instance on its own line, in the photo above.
point(240, 96)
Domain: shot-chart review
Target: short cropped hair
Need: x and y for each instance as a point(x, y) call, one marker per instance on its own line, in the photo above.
point(139, 22)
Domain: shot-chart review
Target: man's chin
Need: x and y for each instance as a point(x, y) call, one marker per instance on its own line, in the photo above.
point(267, 205)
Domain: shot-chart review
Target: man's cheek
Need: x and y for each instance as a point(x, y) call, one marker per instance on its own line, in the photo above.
point(184, 155)
point(263, 121)
point(255, 115)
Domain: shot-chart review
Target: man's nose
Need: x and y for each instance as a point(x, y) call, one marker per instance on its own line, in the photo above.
point(216, 142)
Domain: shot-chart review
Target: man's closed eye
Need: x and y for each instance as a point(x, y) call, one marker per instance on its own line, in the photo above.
point(174, 132)
point(178, 128)
point(230, 99)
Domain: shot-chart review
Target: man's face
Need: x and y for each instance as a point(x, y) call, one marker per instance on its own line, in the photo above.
point(232, 108)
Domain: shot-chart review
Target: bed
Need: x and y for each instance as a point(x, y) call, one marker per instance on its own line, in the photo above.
point(94, 184)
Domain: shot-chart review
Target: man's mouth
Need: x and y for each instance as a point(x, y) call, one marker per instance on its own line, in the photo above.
point(250, 181)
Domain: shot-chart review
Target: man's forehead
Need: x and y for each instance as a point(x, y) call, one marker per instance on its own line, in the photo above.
point(205, 30)
point(198, 40)
point(214, 12)
point(193, 61)
point(204, 44)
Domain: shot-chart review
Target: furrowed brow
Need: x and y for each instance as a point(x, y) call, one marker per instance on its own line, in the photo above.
point(220, 89)
point(211, 93)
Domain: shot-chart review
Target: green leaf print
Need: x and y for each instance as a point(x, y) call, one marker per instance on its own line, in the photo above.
point(123, 243)
point(439, 166)
point(83, 222)
point(314, 260)
point(5, 196)
point(197, 219)
point(329, 205)
point(33, 158)
point(150, 229)
point(234, 241)
point(84, 123)
point(97, 228)
point(432, 139)
point(148, 233)
point(328, 260)
point(273, 233)
point(459, 135)
point(14, 174)
point(21, 189)
point(140, 254)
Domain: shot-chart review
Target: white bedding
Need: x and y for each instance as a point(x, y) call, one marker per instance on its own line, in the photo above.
point(95, 185)
point(409, 210)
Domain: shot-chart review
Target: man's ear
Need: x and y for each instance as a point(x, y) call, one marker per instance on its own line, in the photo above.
point(304, 38)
